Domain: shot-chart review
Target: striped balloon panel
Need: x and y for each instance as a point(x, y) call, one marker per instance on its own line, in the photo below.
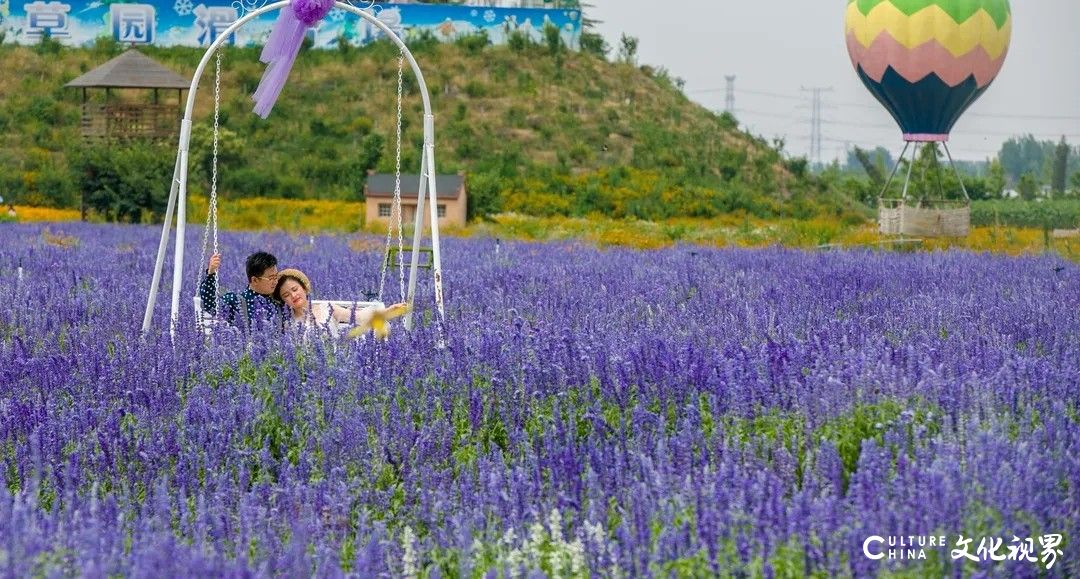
point(927, 61)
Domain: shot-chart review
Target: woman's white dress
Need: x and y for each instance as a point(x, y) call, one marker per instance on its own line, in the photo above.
point(319, 320)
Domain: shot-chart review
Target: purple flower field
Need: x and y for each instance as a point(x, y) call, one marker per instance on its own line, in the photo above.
point(611, 413)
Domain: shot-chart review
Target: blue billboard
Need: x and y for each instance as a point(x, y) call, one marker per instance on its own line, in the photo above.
point(199, 22)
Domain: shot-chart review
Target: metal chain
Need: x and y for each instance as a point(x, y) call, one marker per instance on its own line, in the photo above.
point(397, 183)
point(395, 209)
point(212, 207)
point(214, 170)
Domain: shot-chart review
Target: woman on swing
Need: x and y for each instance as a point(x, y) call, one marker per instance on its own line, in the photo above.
point(294, 291)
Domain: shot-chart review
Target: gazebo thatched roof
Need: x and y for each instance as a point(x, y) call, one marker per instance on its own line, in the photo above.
point(132, 69)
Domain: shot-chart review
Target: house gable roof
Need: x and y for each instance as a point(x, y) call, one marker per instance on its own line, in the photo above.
point(382, 185)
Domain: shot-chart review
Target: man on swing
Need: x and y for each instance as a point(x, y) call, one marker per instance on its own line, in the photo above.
point(255, 301)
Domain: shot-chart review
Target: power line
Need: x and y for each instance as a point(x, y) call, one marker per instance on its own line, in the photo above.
point(1027, 117)
point(771, 115)
point(876, 106)
point(753, 92)
point(873, 144)
point(893, 127)
point(817, 121)
point(773, 95)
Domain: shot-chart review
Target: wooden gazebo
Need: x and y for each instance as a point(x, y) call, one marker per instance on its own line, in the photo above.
point(116, 118)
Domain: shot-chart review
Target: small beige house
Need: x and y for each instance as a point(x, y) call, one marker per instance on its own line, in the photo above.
point(449, 189)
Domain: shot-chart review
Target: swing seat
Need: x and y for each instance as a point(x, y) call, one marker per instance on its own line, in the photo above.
point(347, 304)
point(205, 320)
point(208, 321)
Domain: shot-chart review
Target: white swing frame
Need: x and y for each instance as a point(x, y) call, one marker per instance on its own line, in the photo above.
point(178, 190)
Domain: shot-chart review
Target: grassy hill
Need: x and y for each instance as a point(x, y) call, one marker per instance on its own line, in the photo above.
point(538, 130)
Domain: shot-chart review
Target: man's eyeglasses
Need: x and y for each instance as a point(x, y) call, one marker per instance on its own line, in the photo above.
point(271, 277)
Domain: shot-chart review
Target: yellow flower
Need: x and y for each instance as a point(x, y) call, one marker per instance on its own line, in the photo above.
point(379, 323)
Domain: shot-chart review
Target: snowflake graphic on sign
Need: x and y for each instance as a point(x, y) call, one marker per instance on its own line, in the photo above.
point(183, 7)
point(489, 16)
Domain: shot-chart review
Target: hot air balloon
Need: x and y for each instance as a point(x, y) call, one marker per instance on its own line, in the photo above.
point(926, 62)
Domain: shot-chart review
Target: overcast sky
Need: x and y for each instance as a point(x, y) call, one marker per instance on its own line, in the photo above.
point(776, 47)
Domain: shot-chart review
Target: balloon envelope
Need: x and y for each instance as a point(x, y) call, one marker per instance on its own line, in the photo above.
point(927, 61)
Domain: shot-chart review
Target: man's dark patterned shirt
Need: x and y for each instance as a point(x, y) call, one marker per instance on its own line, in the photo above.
point(260, 309)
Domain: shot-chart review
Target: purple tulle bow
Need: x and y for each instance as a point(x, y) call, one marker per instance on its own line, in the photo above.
point(281, 49)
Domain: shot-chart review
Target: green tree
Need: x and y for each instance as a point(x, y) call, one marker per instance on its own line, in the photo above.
point(628, 46)
point(1025, 154)
point(125, 183)
point(1061, 164)
point(518, 41)
point(1074, 182)
point(371, 150)
point(553, 41)
point(230, 152)
point(485, 195)
point(996, 179)
point(929, 179)
point(1028, 186)
point(594, 44)
point(873, 171)
point(11, 186)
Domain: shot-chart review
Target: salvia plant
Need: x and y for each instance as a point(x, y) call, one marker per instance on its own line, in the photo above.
point(582, 412)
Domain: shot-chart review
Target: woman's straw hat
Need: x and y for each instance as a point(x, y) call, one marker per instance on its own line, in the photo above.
point(290, 272)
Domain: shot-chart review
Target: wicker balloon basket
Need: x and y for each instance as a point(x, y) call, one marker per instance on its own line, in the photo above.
point(926, 219)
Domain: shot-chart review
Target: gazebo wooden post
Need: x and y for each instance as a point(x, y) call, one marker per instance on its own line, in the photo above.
point(117, 120)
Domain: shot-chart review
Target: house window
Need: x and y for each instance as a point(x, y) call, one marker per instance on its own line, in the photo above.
point(384, 210)
point(441, 209)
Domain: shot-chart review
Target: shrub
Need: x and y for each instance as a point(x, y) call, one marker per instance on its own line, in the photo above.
point(594, 44)
point(371, 151)
point(251, 182)
point(48, 46)
point(476, 89)
point(553, 39)
point(518, 41)
point(473, 44)
point(125, 183)
point(485, 195)
point(230, 152)
point(421, 42)
point(1047, 214)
